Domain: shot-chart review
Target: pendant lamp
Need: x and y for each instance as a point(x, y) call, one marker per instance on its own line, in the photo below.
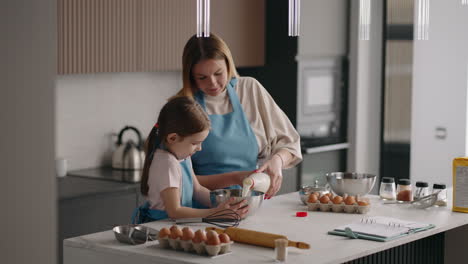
point(203, 18)
point(364, 19)
point(294, 9)
point(422, 15)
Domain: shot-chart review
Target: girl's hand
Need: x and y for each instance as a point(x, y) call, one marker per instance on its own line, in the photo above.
point(241, 208)
point(274, 168)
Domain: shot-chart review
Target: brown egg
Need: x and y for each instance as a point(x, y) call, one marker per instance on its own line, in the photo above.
point(187, 234)
point(199, 236)
point(175, 232)
point(312, 198)
point(212, 238)
point(337, 199)
point(224, 238)
point(350, 200)
point(165, 232)
point(324, 199)
point(317, 194)
point(362, 203)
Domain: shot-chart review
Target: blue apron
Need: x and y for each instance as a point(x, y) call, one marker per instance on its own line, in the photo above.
point(144, 214)
point(231, 144)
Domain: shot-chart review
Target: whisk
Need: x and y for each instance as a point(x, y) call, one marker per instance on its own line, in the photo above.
point(224, 218)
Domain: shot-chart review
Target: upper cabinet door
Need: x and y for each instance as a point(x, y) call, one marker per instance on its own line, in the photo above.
point(149, 35)
point(241, 23)
point(97, 36)
point(165, 27)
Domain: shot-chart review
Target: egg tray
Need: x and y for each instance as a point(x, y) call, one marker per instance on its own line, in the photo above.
point(338, 208)
point(197, 248)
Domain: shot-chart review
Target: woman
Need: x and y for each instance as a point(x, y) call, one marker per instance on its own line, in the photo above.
point(248, 128)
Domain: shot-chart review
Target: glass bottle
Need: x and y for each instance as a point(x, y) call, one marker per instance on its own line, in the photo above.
point(258, 181)
point(422, 189)
point(442, 196)
point(387, 189)
point(404, 191)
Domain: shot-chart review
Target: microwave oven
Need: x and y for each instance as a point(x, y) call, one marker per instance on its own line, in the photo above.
point(321, 102)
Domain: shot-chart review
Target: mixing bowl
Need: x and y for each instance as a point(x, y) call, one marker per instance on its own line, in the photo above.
point(351, 183)
point(254, 200)
point(134, 234)
point(306, 190)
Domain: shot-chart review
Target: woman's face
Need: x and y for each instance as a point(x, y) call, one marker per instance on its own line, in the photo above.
point(210, 76)
point(184, 147)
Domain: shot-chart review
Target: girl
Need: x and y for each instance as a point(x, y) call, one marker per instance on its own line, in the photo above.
point(168, 181)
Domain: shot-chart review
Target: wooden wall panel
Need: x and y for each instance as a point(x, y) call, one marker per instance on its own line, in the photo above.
point(97, 36)
point(166, 26)
point(149, 35)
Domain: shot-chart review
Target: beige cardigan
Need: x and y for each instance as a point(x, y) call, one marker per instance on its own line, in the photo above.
point(270, 124)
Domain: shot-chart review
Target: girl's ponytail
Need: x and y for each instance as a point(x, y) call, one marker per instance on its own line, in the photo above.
point(151, 144)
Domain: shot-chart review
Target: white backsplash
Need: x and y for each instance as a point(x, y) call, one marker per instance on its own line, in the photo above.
point(91, 108)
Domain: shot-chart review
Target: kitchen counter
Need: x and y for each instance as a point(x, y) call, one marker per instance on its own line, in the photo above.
point(71, 187)
point(276, 216)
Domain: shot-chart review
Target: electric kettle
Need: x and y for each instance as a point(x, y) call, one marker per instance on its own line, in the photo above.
point(128, 155)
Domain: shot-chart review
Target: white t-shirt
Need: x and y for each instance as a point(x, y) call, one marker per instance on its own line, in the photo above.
point(164, 172)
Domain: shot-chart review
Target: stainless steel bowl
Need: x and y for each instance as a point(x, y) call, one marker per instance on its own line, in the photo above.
point(306, 190)
point(351, 183)
point(134, 234)
point(254, 201)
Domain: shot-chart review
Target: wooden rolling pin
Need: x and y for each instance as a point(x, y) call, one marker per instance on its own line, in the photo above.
point(256, 238)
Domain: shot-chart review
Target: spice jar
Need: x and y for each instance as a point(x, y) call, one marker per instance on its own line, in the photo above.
point(442, 194)
point(387, 189)
point(404, 191)
point(422, 189)
point(281, 249)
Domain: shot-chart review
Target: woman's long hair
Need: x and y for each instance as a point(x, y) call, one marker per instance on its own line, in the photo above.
point(181, 115)
point(198, 49)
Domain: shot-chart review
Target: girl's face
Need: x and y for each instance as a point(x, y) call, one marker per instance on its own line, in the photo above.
point(184, 147)
point(210, 76)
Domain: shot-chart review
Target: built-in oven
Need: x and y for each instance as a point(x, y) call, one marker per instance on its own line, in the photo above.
point(321, 98)
point(321, 116)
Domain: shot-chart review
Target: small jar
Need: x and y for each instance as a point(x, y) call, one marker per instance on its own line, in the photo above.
point(422, 189)
point(404, 191)
point(442, 194)
point(281, 249)
point(387, 189)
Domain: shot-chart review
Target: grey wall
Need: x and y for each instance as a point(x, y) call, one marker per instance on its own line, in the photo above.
point(91, 108)
point(27, 75)
point(324, 28)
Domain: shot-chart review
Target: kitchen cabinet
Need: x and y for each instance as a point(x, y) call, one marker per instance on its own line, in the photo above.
point(148, 35)
point(87, 206)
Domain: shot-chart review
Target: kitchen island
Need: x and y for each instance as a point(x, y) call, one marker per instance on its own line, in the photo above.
point(276, 216)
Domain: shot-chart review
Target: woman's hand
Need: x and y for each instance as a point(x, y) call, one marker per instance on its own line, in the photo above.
point(241, 208)
point(274, 168)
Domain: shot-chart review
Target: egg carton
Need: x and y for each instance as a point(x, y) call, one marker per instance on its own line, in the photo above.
point(338, 208)
point(199, 248)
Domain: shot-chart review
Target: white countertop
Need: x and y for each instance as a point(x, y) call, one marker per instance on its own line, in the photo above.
point(276, 216)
